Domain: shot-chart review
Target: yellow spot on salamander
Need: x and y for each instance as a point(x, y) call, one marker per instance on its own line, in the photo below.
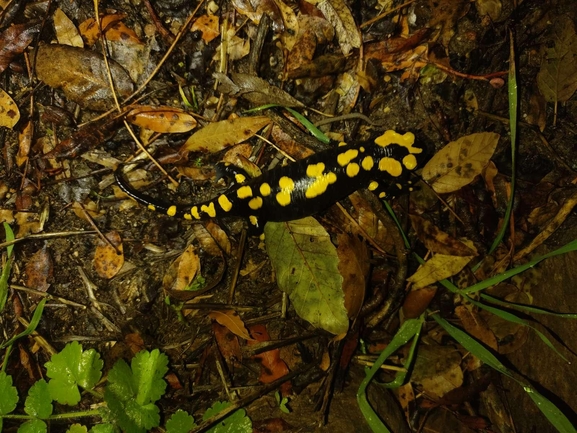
point(255, 203)
point(244, 192)
point(151, 207)
point(287, 185)
point(187, 216)
point(342, 143)
point(368, 163)
point(392, 137)
point(362, 149)
point(209, 209)
point(171, 211)
point(391, 166)
point(224, 203)
point(253, 220)
point(373, 185)
point(320, 185)
point(352, 169)
point(382, 195)
point(265, 189)
point(346, 157)
point(315, 170)
point(240, 178)
point(194, 212)
point(410, 162)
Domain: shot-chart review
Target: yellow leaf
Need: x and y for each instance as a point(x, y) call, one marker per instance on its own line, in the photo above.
point(9, 113)
point(161, 119)
point(109, 256)
point(460, 161)
point(66, 31)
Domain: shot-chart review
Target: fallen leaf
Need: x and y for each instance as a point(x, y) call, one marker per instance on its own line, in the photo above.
point(182, 271)
point(208, 25)
point(437, 240)
point(476, 326)
point(273, 366)
point(24, 143)
point(232, 321)
point(109, 256)
point(14, 41)
point(459, 162)
point(82, 75)
point(39, 269)
point(339, 15)
point(9, 112)
point(161, 119)
point(354, 268)
point(66, 31)
point(228, 344)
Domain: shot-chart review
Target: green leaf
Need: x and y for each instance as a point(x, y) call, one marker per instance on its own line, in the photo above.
point(7, 268)
point(31, 326)
point(103, 428)
point(9, 394)
point(236, 422)
point(77, 428)
point(180, 422)
point(72, 368)
point(131, 391)
point(306, 265)
point(38, 403)
point(33, 426)
point(149, 369)
point(551, 412)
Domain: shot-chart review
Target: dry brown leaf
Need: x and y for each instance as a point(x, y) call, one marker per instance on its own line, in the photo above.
point(437, 240)
point(290, 24)
point(167, 120)
point(438, 369)
point(476, 326)
point(109, 256)
point(9, 112)
point(182, 271)
point(417, 301)
point(208, 25)
point(14, 41)
point(228, 344)
point(339, 15)
point(489, 7)
point(232, 321)
point(439, 267)
point(24, 143)
point(82, 75)
point(39, 269)
point(66, 31)
point(557, 78)
point(90, 31)
point(217, 136)
point(219, 236)
point(354, 268)
point(459, 162)
point(255, 90)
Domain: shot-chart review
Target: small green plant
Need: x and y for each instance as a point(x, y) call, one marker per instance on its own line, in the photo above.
point(282, 402)
point(129, 398)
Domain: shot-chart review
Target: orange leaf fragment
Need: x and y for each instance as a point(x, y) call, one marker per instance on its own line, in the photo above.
point(168, 120)
point(209, 27)
point(273, 366)
point(232, 321)
point(109, 256)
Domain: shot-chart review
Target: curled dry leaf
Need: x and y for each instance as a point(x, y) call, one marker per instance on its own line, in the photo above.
point(9, 112)
point(82, 75)
point(161, 119)
point(182, 271)
point(459, 162)
point(24, 143)
point(109, 256)
point(340, 16)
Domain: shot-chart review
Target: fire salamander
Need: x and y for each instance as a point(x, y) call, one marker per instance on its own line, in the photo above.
point(305, 187)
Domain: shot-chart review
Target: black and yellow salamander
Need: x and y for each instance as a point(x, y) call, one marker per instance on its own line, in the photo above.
point(305, 187)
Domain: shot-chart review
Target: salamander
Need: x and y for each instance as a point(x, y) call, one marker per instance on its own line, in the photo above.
point(304, 187)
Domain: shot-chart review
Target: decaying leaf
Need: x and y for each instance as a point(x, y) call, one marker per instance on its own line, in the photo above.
point(208, 25)
point(273, 366)
point(182, 271)
point(476, 326)
point(439, 267)
point(9, 112)
point(460, 161)
point(217, 136)
point(161, 119)
point(417, 301)
point(232, 321)
point(489, 7)
point(39, 269)
point(255, 90)
point(14, 40)
point(339, 15)
point(557, 78)
point(109, 256)
point(438, 369)
point(354, 268)
point(90, 31)
point(228, 344)
point(82, 75)
point(437, 240)
point(66, 31)
point(24, 143)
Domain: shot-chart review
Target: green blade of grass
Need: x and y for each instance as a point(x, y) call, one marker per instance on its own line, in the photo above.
point(7, 268)
point(410, 329)
point(528, 308)
point(551, 412)
point(31, 327)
